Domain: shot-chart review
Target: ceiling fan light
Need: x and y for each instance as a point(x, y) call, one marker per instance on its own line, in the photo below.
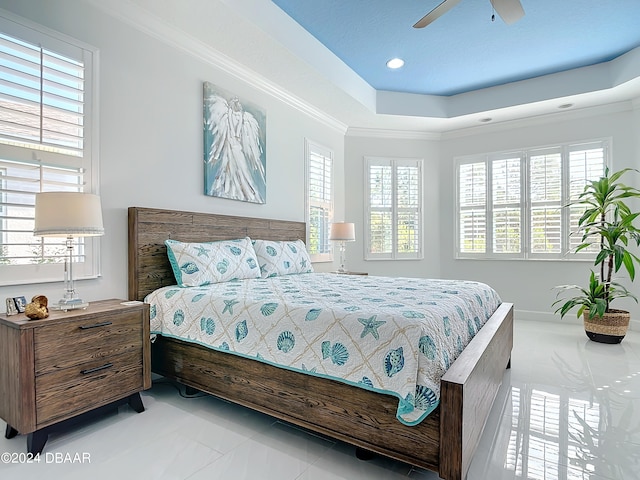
point(395, 63)
point(509, 10)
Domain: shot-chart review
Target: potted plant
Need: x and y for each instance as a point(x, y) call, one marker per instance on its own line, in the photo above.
point(608, 224)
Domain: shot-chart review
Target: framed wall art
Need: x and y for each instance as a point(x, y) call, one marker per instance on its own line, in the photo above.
point(235, 157)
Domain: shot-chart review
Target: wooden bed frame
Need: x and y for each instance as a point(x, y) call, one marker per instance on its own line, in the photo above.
point(444, 442)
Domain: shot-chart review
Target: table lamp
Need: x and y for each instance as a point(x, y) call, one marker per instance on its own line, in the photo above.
point(69, 215)
point(342, 232)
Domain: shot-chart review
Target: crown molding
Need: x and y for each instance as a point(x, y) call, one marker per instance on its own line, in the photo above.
point(148, 23)
point(392, 134)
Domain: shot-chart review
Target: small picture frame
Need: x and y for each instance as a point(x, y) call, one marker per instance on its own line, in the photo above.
point(21, 303)
point(11, 307)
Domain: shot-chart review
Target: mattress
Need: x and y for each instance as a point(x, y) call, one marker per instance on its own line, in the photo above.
point(396, 336)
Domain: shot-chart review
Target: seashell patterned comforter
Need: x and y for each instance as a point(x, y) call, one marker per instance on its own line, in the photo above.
point(395, 336)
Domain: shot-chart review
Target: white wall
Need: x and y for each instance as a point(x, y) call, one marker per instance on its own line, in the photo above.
point(150, 125)
point(384, 145)
point(529, 284)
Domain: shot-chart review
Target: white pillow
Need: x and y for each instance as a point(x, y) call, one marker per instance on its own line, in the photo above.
point(196, 264)
point(282, 258)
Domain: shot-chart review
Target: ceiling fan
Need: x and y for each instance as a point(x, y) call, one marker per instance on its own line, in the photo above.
point(509, 10)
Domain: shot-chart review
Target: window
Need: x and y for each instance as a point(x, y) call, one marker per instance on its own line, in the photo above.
point(45, 145)
point(509, 205)
point(319, 201)
point(394, 200)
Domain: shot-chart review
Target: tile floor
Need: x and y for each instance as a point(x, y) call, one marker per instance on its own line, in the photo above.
point(569, 409)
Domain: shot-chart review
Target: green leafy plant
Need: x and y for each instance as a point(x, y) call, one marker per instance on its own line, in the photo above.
point(608, 224)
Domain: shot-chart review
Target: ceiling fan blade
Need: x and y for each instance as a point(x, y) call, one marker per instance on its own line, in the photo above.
point(509, 10)
point(436, 13)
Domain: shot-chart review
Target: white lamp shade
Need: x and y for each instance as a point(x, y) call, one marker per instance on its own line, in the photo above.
point(68, 214)
point(342, 231)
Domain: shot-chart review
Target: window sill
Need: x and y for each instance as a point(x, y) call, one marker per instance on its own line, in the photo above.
point(523, 259)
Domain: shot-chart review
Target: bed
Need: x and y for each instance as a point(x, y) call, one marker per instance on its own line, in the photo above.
point(444, 442)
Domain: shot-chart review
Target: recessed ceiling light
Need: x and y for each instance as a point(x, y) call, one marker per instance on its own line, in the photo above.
point(395, 63)
point(566, 105)
point(486, 120)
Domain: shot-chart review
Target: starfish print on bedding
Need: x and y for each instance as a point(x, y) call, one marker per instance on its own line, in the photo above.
point(202, 252)
point(371, 326)
point(228, 306)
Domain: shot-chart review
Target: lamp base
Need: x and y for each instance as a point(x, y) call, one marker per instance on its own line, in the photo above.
point(73, 304)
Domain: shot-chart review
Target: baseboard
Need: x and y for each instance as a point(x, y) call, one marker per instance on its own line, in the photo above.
point(539, 316)
point(529, 315)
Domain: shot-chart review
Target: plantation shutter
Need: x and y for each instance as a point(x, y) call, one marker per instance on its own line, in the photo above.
point(408, 209)
point(45, 145)
point(545, 219)
point(472, 202)
point(381, 210)
point(586, 162)
point(510, 205)
point(19, 182)
point(41, 98)
point(394, 197)
point(320, 200)
point(507, 213)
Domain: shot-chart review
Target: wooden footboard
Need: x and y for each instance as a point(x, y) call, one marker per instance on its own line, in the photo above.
point(468, 390)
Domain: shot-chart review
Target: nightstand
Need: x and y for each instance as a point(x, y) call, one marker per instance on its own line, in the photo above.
point(70, 363)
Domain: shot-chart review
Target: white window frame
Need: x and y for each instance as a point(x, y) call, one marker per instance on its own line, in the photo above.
point(313, 148)
point(394, 163)
point(41, 156)
point(566, 252)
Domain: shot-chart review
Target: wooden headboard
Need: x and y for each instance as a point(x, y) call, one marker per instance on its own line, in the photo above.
point(149, 267)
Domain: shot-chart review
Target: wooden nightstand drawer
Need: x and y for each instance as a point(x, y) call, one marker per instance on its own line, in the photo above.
point(86, 386)
point(76, 342)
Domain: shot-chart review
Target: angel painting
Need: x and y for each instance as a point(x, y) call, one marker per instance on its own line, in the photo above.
point(234, 147)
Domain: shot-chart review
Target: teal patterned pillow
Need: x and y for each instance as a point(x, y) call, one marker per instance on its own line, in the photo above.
point(282, 258)
point(196, 264)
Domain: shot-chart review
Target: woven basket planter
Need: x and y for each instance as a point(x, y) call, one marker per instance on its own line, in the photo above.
point(610, 328)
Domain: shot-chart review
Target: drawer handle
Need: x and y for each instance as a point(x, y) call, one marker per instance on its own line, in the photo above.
point(96, 325)
point(97, 369)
